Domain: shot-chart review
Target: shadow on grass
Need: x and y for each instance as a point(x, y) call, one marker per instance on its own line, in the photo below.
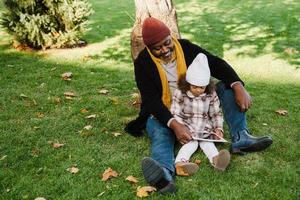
point(264, 26)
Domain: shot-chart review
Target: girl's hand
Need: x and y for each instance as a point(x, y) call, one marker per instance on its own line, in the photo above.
point(218, 134)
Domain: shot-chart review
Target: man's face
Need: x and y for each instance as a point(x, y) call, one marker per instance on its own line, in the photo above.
point(163, 49)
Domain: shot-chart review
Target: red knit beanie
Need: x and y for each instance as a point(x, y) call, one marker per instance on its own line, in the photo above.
point(154, 31)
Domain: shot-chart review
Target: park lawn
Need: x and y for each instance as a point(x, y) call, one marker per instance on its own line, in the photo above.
point(260, 40)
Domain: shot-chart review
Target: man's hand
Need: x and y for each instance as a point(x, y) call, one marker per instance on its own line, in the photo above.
point(218, 134)
point(182, 133)
point(242, 97)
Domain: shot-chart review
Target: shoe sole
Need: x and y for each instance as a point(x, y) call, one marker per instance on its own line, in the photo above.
point(259, 146)
point(223, 160)
point(152, 171)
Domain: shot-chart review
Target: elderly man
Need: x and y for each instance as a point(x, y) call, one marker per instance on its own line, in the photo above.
point(157, 69)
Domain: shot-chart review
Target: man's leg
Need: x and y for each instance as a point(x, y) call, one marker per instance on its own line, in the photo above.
point(159, 169)
point(242, 141)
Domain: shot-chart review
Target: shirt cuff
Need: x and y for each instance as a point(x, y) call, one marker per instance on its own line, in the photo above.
point(169, 122)
point(232, 84)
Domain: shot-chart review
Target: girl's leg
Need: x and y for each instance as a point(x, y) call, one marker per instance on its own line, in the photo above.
point(219, 160)
point(209, 149)
point(186, 151)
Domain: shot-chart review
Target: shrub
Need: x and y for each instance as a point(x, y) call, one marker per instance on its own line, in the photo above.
point(46, 23)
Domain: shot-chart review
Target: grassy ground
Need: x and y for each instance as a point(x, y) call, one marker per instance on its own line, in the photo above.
point(259, 38)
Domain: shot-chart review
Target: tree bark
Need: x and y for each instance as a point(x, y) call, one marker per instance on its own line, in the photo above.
point(163, 10)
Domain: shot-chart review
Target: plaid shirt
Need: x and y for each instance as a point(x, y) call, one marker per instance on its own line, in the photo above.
point(202, 114)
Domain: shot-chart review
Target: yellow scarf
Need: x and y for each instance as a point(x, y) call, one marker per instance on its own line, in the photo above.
point(181, 69)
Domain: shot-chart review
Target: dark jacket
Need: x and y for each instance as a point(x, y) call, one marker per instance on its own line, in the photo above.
point(149, 84)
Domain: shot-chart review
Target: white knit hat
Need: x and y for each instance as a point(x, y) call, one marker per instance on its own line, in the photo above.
point(198, 73)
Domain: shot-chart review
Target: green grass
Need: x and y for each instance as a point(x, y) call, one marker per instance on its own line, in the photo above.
point(252, 35)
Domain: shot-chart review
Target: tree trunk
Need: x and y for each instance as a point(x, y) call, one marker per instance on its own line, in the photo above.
point(160, 9)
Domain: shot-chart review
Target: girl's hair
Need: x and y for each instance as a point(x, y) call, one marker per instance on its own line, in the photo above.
point(184, 86)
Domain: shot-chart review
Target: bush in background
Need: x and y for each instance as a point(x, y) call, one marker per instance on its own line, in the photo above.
point(46, 23)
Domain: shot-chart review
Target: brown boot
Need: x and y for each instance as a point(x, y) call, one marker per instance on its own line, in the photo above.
point(186, 168)
point(222, 160)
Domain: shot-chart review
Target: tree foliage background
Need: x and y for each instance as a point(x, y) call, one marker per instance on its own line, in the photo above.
point(46, 23)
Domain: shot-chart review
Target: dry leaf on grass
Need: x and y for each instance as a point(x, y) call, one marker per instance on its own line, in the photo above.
point(23, 96)
point(73, 170)
point(103, 91)
point(67, 76)
point(40, 115)
point(144, 191)
point(57, 145)
point(282, 112)
point(87, 127)
point(69, 95)
point(116, 134)
point(132, 179)
point(91, 116)
point(40, 198)
point(108, 173)
point(197, 161)
point(57, 100)
point(84, 110)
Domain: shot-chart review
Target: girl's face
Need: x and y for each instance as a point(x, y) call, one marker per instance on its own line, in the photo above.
point(197, 90)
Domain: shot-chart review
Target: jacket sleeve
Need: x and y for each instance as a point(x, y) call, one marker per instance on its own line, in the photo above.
point(219, 68)
point(151, 98)
point(215, 112)
point(176, 106)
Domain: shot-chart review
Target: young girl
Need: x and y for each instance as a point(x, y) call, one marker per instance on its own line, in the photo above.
point(196, 105)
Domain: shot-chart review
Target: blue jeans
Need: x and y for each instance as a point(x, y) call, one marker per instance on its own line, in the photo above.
point(162, 145)
point(235, 119)
point(163, 139)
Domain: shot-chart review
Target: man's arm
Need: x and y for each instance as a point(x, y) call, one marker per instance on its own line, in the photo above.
point(242, 97)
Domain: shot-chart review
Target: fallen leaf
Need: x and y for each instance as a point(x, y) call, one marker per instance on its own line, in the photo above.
point(40, 115)
point(144, 191)
point(197, 161)
point(91, 116)
point(99, 195)
point(103, 130)
point(84, 110)
point(57, 100)
point(57, 145)
point(108, 173)
point(282, 112)
point(73, 170)
point(116, 134)
point(132, 179)
point(3, 157)
point(103, 91)
point(69, 94)
point(255, 185)
point(23, 96)
point(35, 128)
point(67, 76)
point(87, 127)
point(265, 124)
point(69, 98)
point(53, 69)
point(40, 198)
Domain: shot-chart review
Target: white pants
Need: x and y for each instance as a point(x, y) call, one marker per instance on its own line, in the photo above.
point(187, 150)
